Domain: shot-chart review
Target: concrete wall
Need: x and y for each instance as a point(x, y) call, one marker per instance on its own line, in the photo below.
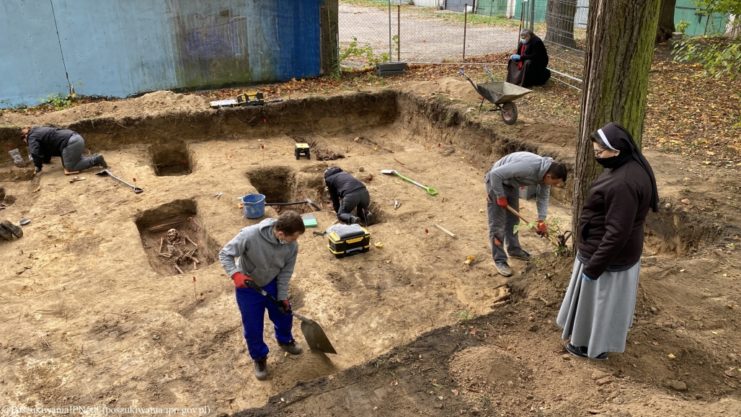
point(119, 48)
point(428, 3)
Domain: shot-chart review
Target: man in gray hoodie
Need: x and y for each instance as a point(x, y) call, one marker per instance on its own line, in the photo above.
point(267, 255)
point(503, 183)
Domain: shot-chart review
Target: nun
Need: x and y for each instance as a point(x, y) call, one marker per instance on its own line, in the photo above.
point(528, 66)
point(598, 307)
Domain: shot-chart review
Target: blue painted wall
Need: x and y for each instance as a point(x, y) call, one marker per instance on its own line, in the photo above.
point(119, 48)
point(30, 60)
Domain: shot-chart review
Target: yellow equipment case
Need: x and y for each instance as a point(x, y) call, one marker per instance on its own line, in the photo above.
point(344, 239)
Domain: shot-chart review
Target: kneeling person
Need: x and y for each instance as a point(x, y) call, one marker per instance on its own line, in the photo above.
point(348, 194)
point(528, 66)
point(44, 142)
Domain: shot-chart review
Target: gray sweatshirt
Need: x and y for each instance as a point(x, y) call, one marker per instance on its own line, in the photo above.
point(261, 256)
point(521, 168)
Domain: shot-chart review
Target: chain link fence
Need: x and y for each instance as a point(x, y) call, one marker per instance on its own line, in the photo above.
point(373, 31)
point(561, 24)
point(462, 31)
point(565, 37)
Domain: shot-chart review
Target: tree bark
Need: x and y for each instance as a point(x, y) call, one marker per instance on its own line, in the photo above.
point(329, 36)
point(560, 21)
point(666, 21)
point(620, 42)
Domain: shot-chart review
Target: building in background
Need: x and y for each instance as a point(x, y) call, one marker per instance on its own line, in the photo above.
point(118, 49)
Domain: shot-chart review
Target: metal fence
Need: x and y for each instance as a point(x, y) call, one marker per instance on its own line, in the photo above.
point(457, 31)
point(565, 37)
point(387, 30)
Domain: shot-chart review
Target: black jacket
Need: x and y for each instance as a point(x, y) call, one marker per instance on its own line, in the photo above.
point(535, 52)
point(612, 220)
point(45, 142)
point(340, 183)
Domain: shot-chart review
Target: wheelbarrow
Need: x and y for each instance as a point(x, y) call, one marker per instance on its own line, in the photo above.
point(501, 94)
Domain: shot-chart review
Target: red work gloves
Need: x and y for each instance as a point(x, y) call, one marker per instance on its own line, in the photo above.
point(541, 228)
point(502, 202)
point(285, 307)
point(240, 279)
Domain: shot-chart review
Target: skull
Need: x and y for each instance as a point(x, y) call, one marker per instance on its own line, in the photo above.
point(172, 235)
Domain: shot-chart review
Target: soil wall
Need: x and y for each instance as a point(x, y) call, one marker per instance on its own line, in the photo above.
point(335, 114)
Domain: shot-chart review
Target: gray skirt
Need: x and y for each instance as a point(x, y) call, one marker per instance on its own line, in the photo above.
point(597, 314)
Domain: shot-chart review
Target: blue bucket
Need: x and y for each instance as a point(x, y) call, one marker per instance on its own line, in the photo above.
point(253, 206)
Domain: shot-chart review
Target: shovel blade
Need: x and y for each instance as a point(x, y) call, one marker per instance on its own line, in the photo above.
point(315, 337)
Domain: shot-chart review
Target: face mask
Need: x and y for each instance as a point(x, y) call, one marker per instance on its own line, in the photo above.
point(523, 41)
point(615, 161)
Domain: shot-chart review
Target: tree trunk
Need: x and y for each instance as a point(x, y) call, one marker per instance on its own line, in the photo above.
point(666, 21)
point(620, 42)
point(329, 36)
point(560, 21)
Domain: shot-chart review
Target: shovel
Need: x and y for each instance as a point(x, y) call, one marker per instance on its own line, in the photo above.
point(430, 190)
point(107, 173)
point(295, 203)
point(313, 333)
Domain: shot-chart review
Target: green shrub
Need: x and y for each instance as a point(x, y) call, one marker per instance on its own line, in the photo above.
point(719, 56)
point(59, 102)
point(682, 26)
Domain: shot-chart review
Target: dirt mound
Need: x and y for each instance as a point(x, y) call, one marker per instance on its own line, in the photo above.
point(455, 88)
point(554, 134)
point(157, 103)
point(488, 367)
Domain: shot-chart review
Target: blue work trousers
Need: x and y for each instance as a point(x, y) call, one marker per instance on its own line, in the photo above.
point(252, 305)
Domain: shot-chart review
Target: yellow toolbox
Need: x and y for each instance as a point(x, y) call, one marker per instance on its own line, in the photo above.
point(302, 149)
point(347, 239)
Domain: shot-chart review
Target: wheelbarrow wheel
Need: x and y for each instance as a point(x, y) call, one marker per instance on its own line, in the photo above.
point(509, 113)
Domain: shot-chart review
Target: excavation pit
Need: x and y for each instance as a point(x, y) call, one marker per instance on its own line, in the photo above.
point(414, 280)
point(281, 184)
point(171, 159)
point(174, 238)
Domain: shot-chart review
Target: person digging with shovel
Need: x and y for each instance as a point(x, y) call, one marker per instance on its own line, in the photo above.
point(503, 183)
point(44, 142)
point(267, 255)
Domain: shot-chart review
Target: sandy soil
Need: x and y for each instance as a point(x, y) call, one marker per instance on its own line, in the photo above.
point(88, 321)
point(152, 104)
